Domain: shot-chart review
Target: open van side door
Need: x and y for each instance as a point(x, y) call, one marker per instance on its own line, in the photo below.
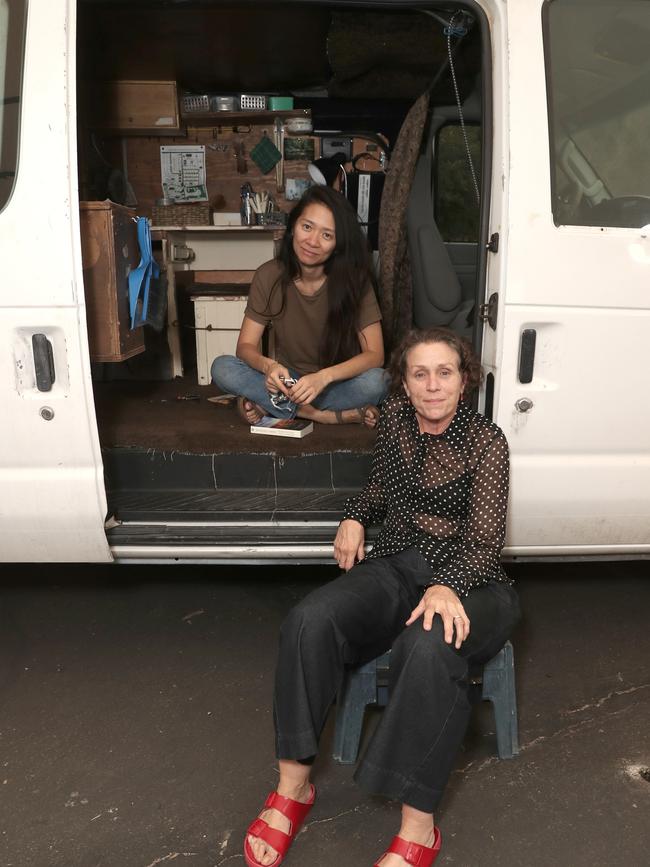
point(572, 395)
point(52, 500)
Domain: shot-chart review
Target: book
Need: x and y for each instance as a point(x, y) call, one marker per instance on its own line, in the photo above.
point(223, 399)
point(283, 427)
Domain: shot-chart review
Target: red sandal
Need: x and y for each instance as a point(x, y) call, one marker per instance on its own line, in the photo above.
point(295, 811)
point(413, 853)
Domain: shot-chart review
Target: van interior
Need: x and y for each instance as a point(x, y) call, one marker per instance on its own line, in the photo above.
point(182, 106)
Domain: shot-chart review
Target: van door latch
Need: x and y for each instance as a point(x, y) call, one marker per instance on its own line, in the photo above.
point(492, 245)
point(43, 362)
point(488, 312)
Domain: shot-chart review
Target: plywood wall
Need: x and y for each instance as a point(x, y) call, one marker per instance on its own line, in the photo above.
point(223, 179)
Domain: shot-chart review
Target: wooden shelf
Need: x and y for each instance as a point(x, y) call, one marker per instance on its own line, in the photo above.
point(204, 119)
point(270, 227)
point(225, 118)
point(157, 132)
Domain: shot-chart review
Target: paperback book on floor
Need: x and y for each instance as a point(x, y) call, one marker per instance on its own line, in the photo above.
point(283, 427)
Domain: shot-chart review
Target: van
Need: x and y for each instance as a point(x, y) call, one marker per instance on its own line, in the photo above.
point(525, 203)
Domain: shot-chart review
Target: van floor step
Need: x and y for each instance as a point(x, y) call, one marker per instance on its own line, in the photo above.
point(138, 469)
point(260, 535)
point(228, 504)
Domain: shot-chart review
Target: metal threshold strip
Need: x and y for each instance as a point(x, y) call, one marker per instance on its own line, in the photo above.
point(249, 542)
point(240, 525)
point(224, 554)
point(266, 541)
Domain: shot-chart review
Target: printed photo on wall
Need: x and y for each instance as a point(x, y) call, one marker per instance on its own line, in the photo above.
point(295, 187)
point(299, 149)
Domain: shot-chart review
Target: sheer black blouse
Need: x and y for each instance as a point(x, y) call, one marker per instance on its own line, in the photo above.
point(445, 494)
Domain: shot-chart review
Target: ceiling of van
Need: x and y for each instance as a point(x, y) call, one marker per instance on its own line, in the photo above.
point(262, 47)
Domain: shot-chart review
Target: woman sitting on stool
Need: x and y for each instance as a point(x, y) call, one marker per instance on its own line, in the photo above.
point(432, 589)
point(318, 298)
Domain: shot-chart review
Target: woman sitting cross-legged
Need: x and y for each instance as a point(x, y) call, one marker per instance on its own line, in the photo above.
point(432, 589)
point(318, 299)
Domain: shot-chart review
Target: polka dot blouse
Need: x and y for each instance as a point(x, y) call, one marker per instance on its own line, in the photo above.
point(445, 494)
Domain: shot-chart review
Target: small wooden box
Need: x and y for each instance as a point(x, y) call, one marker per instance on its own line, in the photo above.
point(109, 251)
point(137, 106)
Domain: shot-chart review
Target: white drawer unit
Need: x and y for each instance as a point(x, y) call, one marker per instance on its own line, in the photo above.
point(222, 315)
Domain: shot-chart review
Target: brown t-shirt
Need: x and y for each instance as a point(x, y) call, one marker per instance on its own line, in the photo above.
point(298, 328)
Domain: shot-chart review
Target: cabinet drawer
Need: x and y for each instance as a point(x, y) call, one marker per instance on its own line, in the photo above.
point(219, 311)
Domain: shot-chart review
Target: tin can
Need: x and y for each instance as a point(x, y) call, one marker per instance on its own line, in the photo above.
point(222, 103)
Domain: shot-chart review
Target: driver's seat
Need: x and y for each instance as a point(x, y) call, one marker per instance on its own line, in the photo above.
point(437, 292)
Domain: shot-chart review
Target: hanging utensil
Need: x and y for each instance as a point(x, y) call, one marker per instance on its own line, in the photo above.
point(242, 168)
point(278, 134)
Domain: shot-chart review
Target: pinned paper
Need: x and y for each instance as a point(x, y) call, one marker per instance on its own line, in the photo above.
point(182, 169)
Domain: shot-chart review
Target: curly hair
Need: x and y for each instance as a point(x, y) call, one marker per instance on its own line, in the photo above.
point(469, 365)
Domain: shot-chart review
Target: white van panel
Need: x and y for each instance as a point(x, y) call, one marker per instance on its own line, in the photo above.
point(580, 457)
point(577, 265)
point(53, 502)
point(590, 382)
point(580, 462)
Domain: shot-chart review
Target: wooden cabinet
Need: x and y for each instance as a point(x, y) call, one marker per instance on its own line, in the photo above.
point(137, 106)
point(109, 249)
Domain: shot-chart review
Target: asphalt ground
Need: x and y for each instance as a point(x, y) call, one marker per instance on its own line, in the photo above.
point(136, 728)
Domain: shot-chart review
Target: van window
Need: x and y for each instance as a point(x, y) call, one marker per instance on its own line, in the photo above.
point(457, 210)
point(12, 21)
point(598, 75)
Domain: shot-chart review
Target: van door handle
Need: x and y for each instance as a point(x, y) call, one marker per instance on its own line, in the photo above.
point(43, 362)
point(527, 354)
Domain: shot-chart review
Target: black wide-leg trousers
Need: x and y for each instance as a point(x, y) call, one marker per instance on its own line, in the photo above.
point(359, 616)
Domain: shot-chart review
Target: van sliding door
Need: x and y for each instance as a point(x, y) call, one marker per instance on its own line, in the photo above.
point(53, 503)
point(573, 392)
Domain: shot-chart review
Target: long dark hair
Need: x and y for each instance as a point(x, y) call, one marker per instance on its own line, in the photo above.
point(349, 272)
point(468, 363)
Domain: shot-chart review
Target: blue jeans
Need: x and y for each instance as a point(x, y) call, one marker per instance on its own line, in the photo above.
point(234, 376)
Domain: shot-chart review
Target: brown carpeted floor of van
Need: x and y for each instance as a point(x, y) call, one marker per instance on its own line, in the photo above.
point(153, 415)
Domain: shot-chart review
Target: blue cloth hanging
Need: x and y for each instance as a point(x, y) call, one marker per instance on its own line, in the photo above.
point(140, 277)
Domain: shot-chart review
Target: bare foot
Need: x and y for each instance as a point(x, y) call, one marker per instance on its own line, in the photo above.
point(370, 416)
point(262, 852)
point(249, 411)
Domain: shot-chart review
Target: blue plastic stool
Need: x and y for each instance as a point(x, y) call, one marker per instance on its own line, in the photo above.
point(368, 685)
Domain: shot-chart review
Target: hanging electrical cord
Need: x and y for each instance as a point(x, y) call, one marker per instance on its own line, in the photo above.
point(460, 30)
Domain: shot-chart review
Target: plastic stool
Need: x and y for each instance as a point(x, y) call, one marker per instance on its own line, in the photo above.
point(363, 686)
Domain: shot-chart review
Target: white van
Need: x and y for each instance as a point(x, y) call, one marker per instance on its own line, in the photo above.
point(551, 100)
